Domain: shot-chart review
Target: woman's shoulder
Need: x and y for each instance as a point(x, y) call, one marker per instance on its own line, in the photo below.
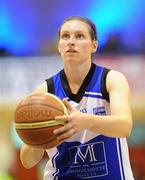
point(116, 79)
point(116, 75)
point(42, 88)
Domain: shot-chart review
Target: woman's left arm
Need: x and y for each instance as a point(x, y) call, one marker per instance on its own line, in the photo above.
point(117, 124)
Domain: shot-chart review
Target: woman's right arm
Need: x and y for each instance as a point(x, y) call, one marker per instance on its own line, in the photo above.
point(29, 155)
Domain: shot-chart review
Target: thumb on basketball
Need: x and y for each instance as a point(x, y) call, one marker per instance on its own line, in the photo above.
point(67, 104)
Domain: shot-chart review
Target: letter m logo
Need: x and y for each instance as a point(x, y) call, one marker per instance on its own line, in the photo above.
point(88, 158)
point(85, 154)
point(90, 153)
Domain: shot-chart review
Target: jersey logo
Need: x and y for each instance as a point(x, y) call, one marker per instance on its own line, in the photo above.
point(84, 110)
point(89, 152)
point(88, 161)
point(99, 110)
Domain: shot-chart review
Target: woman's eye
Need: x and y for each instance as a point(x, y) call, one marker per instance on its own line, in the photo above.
point(79, 36)
point(65, 36)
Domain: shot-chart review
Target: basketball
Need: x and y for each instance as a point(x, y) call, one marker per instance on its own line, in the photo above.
point(35, 119)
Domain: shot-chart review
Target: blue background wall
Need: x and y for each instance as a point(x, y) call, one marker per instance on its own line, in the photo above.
point(29, 27)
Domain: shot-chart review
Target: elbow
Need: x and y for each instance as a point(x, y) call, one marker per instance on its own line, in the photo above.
point(127, 129)
point(127, 134)
point(26, 164)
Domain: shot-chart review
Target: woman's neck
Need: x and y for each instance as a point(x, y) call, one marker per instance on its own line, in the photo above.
point(76, 75)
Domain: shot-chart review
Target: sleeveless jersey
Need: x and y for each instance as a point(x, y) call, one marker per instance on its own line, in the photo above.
point(87, 155)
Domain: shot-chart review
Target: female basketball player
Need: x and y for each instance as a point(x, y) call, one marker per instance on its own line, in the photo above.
point(93, 140)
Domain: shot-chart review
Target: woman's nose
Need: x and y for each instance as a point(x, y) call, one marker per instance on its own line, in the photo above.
point(72, 41)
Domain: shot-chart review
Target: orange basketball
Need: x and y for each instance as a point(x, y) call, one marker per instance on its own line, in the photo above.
point(35, 119)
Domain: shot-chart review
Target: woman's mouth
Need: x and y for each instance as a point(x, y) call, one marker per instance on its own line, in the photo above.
point(71, 51)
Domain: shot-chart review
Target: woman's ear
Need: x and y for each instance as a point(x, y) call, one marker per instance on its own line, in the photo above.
point(95, 46)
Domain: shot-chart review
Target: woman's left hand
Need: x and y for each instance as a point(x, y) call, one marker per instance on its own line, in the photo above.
point(74, 122)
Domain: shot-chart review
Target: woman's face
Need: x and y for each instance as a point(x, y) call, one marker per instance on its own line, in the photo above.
point(75, 43)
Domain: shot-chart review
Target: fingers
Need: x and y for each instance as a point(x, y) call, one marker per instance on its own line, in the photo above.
point(65, 131)
point(68, 129)
point(65, 135)
point(67, 104)
point(63, 118)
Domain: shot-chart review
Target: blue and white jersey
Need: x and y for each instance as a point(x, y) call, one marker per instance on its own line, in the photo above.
point(88, 155)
